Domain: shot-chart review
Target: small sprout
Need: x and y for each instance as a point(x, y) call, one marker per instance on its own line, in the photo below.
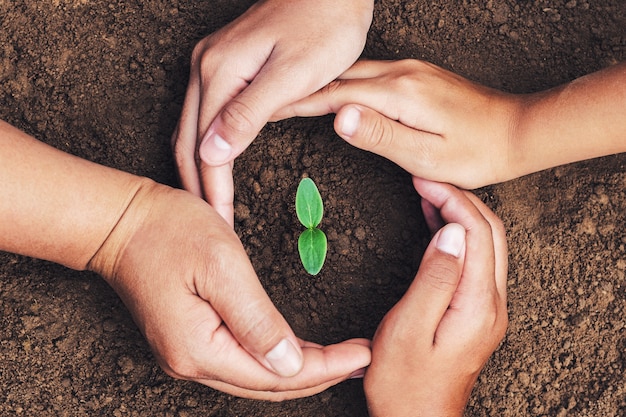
point(312, 243)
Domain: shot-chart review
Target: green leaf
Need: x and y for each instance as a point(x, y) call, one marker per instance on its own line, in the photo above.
point(312, 246)
point(309, 206)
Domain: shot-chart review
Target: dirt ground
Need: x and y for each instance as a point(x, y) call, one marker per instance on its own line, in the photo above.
point(106, 81)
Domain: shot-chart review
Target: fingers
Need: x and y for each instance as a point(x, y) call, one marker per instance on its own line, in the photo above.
point(227, 118)
point(499, 243)
point(482, 287)
point(235, 127)
point(376, 129)
point(219, 189)
point(282, 79)
point(184, 142)
point(324, 366)
point(240, 300)
point(252, 344)
point(454, 206)
point(363, 83)
point(414, 150)
point(432, 216)
point(342, 92)
point(427, 299)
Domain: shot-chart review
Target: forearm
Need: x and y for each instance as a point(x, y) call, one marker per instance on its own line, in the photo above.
point(583, 119)
point(56, 206)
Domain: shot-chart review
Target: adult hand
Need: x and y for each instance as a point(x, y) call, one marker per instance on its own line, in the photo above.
point(430, 347)
point(278, 52)
point(433, 123)
point(186, 279)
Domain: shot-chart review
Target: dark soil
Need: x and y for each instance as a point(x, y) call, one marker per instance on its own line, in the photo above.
point(106, 81)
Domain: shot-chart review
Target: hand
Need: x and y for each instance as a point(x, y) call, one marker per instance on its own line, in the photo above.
point(186, 279)
point(278, 52)
point(433, 123)
point(430, 347)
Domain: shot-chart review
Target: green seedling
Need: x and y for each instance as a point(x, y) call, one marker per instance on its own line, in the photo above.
point(312, 243)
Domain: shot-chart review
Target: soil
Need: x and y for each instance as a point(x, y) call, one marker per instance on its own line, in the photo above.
point(106, 81)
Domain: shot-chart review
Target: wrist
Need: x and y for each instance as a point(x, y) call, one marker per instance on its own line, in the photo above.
point(526, 153)
point(106, 259)
point(506, 112)
point(56, 206)
point(426, 398)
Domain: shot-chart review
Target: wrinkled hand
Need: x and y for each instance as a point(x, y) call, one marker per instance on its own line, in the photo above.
point(278, 52)
point(186, 279)
point(430, 347)
point(433, 123)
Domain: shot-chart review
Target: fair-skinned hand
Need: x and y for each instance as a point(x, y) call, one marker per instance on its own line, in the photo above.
point(177, 265)
point(276, 53)
point(431, 122)
point(440, 126)
point(185, 277)
point(187, 280)
point(431, 346)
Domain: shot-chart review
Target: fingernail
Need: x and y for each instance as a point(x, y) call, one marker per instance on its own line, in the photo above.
point(350, 121)
point(359, 373)
point(451, 239)
point(285, 359)
point(214, 149)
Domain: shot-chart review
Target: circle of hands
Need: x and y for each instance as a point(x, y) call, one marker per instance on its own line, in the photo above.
point(175, 260)
point(188, 282)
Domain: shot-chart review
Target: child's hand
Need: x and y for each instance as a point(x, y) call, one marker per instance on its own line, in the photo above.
point(431, 346)
point(433, 123)
point(278, 52)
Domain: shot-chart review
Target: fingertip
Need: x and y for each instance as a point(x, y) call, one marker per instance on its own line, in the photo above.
point(432, 216)
point(419, 183)
point(347, 121)
point(285, 358)
point(214, 149)
point(451, 239)
point(435, 192)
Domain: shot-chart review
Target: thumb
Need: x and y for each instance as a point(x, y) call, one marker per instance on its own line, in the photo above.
point(371, 131)
point(242, 118)
point(436, 281)
point(240, 300)
point(232, 131)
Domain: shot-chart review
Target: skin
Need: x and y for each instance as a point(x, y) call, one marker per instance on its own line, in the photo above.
point(430, 348)
point(137, 234)
point(440, 126)
point(187, 281)
point(276, 53)
point(177, 265)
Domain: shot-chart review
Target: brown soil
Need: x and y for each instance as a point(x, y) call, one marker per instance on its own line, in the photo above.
point(106, 80)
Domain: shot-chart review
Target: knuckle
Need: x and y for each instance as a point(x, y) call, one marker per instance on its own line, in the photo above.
point(491, 319)
point(203, 52)
point(239, 117)
point(442, 275)
point(178, 366)
point(331, 89)
point(378, 134)
point(260, 328)
point(218, 261)
point(404, 82)
point(177, 369)
point(410, 77)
